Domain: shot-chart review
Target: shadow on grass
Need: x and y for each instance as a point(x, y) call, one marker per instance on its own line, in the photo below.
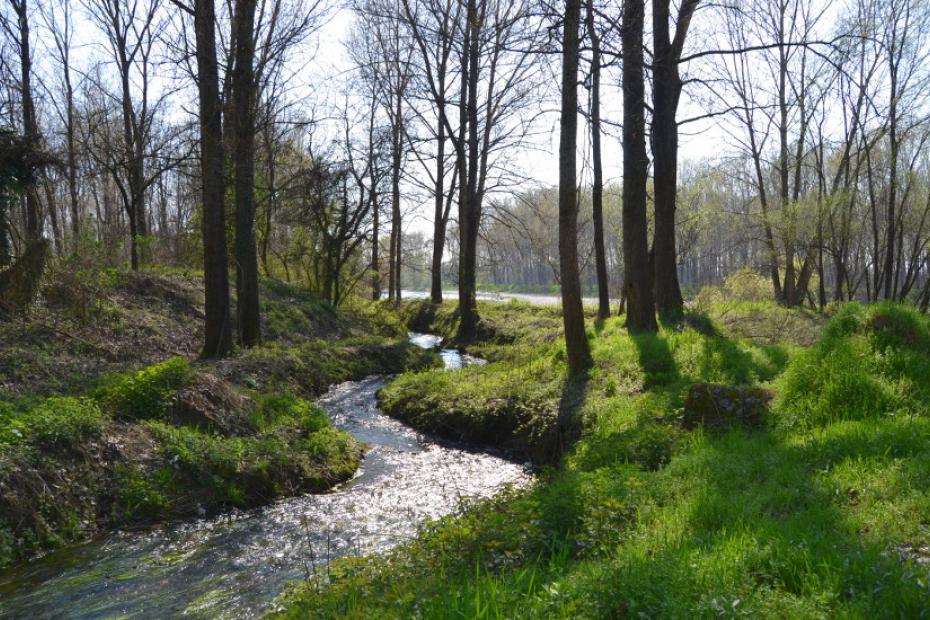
point(765, 534)
point(568, 422)
point(656, 359)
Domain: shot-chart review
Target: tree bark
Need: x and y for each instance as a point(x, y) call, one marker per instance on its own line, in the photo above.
point(576, 341)
point(247, 303)
point(597, 189)
point(217, 327)
point(30, 123)
point(637, 268)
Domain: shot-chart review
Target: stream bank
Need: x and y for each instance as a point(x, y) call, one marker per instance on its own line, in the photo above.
point(234, 565)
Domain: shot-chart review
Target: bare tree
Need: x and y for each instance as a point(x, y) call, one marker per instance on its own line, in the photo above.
point(217, 321)
point(19, 34)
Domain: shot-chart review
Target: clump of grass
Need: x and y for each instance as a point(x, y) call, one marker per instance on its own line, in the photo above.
point(872, 362)
point(275, 411)
point(144, 394)
point(246, 471)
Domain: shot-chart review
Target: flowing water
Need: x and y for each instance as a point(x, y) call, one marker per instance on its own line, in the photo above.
point(234, 565)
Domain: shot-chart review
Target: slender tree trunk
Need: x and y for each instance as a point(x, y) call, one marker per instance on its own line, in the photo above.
point(890, 233)
point(30, 123)
point(247, 303)
point(217, 325)
point(396, 163)
point(72, 155)
point(439, 224)
point(375, 239)
point(470, 215)
point(637, 268)
point(576, 341)
point(597, 190)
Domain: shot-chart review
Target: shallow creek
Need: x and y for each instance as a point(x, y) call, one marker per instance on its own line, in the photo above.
point(233, 566)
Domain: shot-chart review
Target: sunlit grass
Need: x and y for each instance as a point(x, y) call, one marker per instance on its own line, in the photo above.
point(821, 514)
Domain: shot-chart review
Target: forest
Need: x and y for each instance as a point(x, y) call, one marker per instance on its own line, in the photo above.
point(464, 308)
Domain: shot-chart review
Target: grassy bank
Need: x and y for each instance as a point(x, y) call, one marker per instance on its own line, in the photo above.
point(819, 513)
point(111, 422)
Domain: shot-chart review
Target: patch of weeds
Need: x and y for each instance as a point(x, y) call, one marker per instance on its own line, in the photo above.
point(53, 424)
point(140, 496)
point(147, 393)
point(281, 410)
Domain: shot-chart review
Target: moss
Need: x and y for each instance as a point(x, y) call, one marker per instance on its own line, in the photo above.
point(720, 407)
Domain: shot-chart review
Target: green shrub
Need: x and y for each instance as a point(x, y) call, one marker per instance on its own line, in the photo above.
point(145, 394)
point(57, 422)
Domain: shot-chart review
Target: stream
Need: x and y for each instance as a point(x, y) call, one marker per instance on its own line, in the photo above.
point(234, 565)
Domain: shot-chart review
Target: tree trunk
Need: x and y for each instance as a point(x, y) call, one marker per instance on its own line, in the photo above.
point(217, 329)
point(247, 304)
point(30, 123)
point(439, 223)
point(576, 341)
point(597, 190)
point(396, 162)
point(375, 240)
point(469, 212)
point(666, 93)
point(637, 268)
point(890, 238)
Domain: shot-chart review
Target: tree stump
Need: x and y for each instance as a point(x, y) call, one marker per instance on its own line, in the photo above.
point(719, 407)
point(19, 283)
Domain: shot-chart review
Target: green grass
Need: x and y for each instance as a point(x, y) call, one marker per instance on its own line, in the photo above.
point(515, 400)
point(53, 424)
point(822, 514)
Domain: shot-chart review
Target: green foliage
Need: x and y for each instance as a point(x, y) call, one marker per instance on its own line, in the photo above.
point(55, 423)
point(744, 284)
point(141, 496)
point(144, 394)
point(246, 471)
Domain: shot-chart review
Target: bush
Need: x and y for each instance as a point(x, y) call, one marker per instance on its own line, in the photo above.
point(145, 394)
